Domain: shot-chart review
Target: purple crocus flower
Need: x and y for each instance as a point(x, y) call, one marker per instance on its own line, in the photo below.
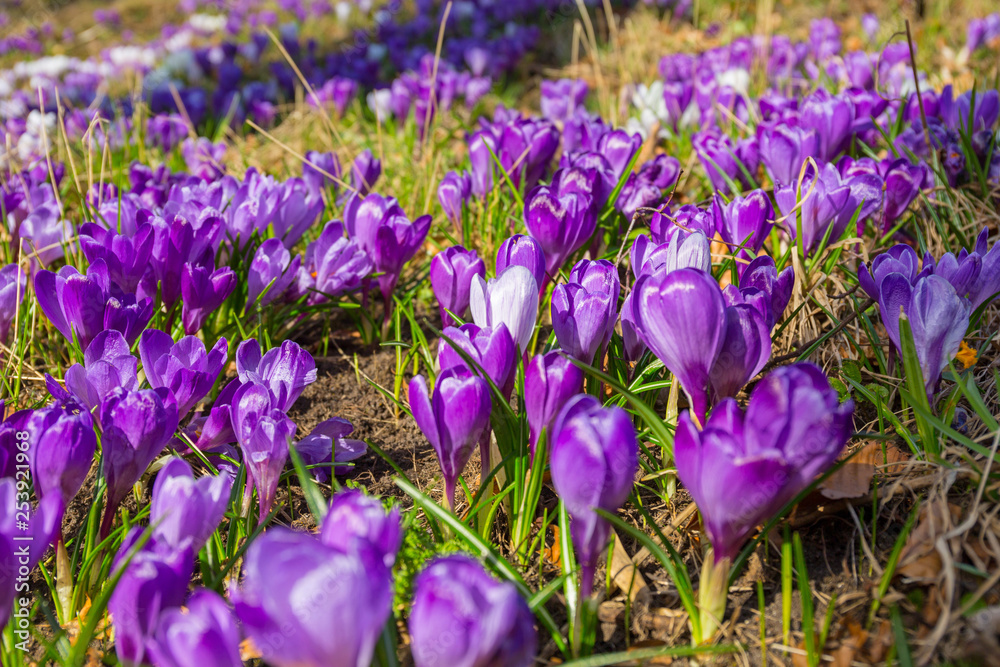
point(745, 222)
point(794, 429)
point(108, 364)
point(263, 433)
point(347, 595)
point(453, 419)
point(746, 347)
point(328, 443)
point(204, 159)
point(25, 536)
point(903, 183)
point(510, 299)
point(785, 148)
point(681, 316)
point(723, 159)
point(461, 615)
point(321, 171)
point(182, 367)
point(583, 310)
point(186, 511)
point(296, 209)
point(167, 131)
point(492, 349)
point(83, 304)
point(525, 251)
point(204, 290)
point(452, 274)
point(62, 451)
point(453, 192)
point(354, 517)
point(155, 581)
point(870, 24)
point(285, 370)
point(205, 634)
point(386, 234)
point(832, 118)
point(987, 283)
point(273, 269)
point(938, 317)
point(12, 286)
point(619, 147)
point(562, 224)
point(561, 99)
point(550, 380)
point(594, 458)
point(365, 171)
point(762, 275)
point(127, 257)
point(827, 203)
point(333, 265)
point(137, 426)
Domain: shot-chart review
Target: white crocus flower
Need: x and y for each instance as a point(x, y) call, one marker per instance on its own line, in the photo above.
point(511, 298)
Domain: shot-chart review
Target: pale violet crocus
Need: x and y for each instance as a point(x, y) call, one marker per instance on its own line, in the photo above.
point(510, 299)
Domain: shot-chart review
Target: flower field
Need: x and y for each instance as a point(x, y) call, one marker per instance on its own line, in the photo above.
point(350, 333)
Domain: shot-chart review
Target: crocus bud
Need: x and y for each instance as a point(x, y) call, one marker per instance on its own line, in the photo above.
point(550, 380)
point(386, 234)
point(263, 433)
point(452, 272)
point(681, 251)
point(461, 615)
point(510, 299)
point(561, 224)
point(492, 349)
point(204, 634)
point(525, 251)
point(12, 286)
point(273, 269)
point(328, 443)
point(355, 518)
point(63, 446)
point(203, 290)
point(583, 310)
point(594, 458)
point(127, 257)
point(681, 317)
point(453, 192)
point(182, 367)
point(453, 419)
point(903, 183)
point(348, 597)
point(155, 581)
point(137, 426)
point(186, 511)
point(285, 370)
point(108, 364)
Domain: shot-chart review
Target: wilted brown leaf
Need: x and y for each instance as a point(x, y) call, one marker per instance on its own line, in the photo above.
point(854, 478)
point(919, 559)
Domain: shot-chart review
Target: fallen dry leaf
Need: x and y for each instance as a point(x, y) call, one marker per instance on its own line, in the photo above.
point(854, 478)
point(919, 560)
